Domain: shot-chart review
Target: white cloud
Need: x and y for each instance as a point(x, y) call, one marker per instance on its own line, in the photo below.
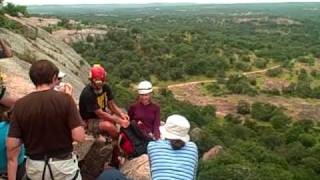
point(28, 2)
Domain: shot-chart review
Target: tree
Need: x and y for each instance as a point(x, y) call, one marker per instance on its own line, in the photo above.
point(262, 111)
point(272, 140)
point(240, 84)
point(307, 140)
point(280, 121)
point(261, 63)
point(233, 118)
point(243, 107)
point(13, 10)
point(273, 172)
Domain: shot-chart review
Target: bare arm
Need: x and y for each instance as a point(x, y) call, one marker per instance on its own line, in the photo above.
point(8, 101)
point(78, 134)
point(6, 49)
point(108, 117)
point(13, 149)
point(115, 109)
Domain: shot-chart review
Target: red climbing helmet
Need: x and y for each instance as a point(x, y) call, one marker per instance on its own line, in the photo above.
point(97, 74)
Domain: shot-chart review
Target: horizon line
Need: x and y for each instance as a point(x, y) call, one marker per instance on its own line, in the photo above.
point(288, 2)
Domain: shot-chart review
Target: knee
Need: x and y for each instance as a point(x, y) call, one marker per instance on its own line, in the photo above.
point(107, 126)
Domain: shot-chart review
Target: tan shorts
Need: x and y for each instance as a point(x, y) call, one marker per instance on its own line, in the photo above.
point(61, 169)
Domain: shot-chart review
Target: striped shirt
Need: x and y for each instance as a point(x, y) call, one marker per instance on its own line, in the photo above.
point(169, 164)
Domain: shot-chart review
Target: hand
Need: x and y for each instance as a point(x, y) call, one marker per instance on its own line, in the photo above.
point(124, 123)
point(65, 87)
point(68, 88)
point(124, 116)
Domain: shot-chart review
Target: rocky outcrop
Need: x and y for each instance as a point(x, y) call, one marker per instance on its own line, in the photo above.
point(137, 168)
point(16, 77)
point(33, 43)
point(212, 153)
point(72, 36)
point(94, 160)
point(195, 134)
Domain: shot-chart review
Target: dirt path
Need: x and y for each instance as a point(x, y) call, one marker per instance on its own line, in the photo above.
point(189, 83)
point(260, 71)
point(191, 91)
point(173, 86)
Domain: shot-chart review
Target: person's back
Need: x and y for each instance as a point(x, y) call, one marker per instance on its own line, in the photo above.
point(167, 163)
point(47, 122)
point(45, 125)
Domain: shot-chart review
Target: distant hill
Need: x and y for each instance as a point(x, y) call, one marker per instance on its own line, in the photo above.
point(277, 8)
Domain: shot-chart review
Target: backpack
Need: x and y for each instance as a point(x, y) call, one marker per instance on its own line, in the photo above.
point(133, 140)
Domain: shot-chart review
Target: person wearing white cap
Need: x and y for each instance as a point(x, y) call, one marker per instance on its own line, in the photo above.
point(145, 111)
point(173, 157)
point(61, 86)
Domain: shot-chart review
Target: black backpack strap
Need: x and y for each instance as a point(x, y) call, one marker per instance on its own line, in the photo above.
point(46, 163)
point(76, 176)
point(136, 130)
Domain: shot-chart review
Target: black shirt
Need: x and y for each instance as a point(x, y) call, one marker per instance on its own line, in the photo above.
point(90, 101)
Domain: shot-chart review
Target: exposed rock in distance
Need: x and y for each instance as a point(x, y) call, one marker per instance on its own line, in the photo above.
point(212, 153)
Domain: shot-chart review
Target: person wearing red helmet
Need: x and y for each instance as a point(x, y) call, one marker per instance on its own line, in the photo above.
point(97, 106)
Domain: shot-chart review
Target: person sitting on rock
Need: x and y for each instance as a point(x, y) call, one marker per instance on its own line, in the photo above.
point(5, 50)
point(100, 112)
point(173, 157)
point(145, 111)
point(97, 106)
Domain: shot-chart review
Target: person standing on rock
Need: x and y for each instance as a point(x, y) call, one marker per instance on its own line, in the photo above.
point(7, 102)
point(62, 86)
point(47, 122)
point(5, 50)
point(173, 157)
point(145, 111)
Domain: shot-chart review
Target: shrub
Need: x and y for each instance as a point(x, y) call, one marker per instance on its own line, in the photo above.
point(262, 111)
point(261, 63)
point(14, 10)
point(243, 66)
point(243, 107)
point(280, 121)
point(240, 84)
point(274, 72)
point(307, 140)
point(233, 118)
point(216, 89)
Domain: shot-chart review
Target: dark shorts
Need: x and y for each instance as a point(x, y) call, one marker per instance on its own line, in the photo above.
point(93, 127)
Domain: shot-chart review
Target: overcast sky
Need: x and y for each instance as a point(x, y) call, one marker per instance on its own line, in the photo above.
point(37, 2)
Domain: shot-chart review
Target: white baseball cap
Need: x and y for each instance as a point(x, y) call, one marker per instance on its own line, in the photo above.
point(176, 127)
point(61, 74)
